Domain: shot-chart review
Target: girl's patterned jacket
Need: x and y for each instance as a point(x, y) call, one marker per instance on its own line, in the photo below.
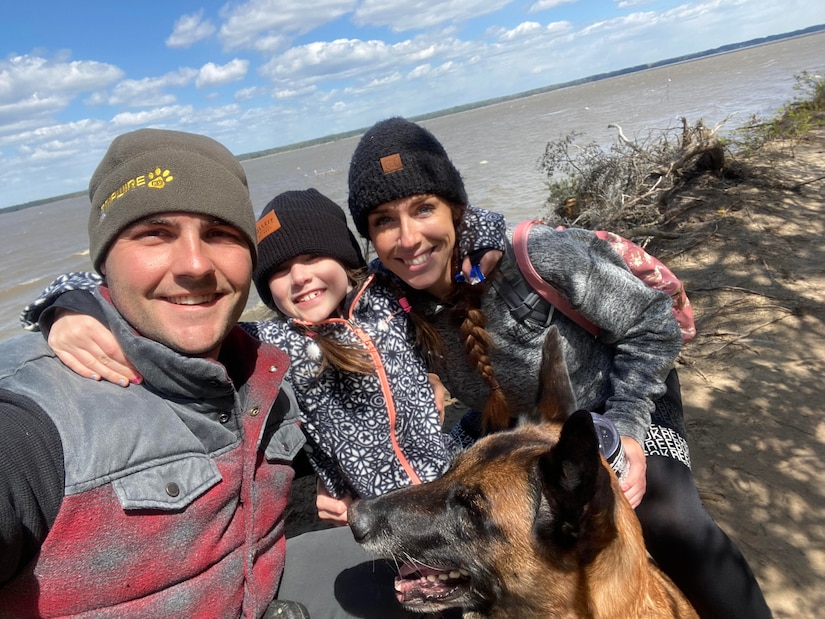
point(367, 434)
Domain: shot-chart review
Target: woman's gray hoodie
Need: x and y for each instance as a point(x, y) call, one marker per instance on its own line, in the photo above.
point(620, 373)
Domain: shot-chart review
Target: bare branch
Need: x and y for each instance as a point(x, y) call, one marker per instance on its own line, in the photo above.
point(625, 186)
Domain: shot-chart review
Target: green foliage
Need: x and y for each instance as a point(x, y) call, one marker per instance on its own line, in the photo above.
point(805, 112)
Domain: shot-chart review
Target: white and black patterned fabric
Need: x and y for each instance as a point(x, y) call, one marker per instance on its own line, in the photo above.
point(352, 420)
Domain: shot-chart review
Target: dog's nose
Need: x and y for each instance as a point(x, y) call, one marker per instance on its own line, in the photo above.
point(359, 517)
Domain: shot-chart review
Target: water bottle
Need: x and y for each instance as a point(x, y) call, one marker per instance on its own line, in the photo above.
point(611, 445)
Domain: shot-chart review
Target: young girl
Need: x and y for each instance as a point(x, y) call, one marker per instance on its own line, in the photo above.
point(367, 405)
point(407, 198)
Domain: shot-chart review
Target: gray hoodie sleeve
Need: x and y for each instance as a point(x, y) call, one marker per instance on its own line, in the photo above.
point(636, 322)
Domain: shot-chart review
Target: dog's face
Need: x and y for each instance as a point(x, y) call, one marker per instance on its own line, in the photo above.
point(503, 530)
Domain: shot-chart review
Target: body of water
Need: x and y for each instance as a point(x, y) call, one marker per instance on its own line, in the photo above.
point(496, 148)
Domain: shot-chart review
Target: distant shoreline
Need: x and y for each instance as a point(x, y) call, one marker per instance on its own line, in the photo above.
point(487, 102)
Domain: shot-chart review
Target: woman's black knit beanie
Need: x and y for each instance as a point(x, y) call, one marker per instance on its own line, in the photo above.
point(395, 159)
point(301, 222)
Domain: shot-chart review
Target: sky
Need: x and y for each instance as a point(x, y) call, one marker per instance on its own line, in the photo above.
point(258, 74)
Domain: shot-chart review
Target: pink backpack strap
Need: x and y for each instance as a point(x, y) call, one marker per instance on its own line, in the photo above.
point(541, 286)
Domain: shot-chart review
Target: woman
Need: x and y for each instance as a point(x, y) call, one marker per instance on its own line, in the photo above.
point(408, 199)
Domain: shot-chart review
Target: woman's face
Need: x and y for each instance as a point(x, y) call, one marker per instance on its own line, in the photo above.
point(414, 237)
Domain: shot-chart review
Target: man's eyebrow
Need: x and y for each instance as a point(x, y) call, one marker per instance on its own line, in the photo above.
point(164, 220)
point(221, 222)
point(151, 220)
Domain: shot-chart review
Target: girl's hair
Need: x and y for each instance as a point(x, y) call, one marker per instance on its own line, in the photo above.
point(344, 357)
point(471, 322)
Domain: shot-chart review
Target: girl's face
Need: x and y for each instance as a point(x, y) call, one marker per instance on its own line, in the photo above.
point(309, 287)
point(414, 237)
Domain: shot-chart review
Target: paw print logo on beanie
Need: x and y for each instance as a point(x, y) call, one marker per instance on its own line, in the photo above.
point(158, 179)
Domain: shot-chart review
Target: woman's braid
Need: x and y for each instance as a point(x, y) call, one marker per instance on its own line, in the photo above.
point(477, 343)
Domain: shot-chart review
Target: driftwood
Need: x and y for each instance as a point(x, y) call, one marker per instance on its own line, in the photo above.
point(625, 188)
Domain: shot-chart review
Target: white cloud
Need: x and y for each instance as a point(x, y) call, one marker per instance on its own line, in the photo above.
point(270, 43)
point(372, 60)
point(546, 5)
point(286, 94)
point(429, 71)
point(270, 19)
point(629, 4)
point(247, 94)
point(29, 139)
point(33, 87)
point(190, 29)
point(149, 91)
point(32, 107)
point(334, 59)
point(523, 29)
point(24, 77)
point(127, 120)
point(214, 75)
point(422, 14)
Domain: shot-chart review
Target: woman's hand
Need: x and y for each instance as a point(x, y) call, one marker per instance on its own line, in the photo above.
point(635, 484)
point(331, 510)
point(487, 263)
point(89, 349)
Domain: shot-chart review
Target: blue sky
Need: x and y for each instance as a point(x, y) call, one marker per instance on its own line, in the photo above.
point(257, 74)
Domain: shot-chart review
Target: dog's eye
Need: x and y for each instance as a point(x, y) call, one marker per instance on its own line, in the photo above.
point(470, 506)
point(465, 498)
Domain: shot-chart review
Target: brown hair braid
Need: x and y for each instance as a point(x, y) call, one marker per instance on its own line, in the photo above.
point(477, 343)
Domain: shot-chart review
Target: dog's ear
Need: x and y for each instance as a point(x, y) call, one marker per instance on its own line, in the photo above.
point(555, 400)
point(576, 518)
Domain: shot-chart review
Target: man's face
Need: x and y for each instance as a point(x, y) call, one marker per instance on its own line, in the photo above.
point(180, 279)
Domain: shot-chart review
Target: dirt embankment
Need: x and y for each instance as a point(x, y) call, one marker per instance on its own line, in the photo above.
point(752, 255)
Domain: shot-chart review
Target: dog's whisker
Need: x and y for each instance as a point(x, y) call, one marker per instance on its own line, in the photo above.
point(412, 561)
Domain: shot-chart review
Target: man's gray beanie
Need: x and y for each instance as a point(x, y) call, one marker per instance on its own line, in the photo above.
point(151, 171)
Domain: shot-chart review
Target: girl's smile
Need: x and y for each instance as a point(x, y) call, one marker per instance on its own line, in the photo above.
point(310, 288)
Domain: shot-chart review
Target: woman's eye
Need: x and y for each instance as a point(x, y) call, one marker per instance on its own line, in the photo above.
point(381, 221)
point(426, 208)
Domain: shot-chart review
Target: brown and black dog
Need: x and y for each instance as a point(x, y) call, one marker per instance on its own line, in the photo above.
point(526, 523)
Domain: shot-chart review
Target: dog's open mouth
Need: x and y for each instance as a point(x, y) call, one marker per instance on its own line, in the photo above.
point(417, 585)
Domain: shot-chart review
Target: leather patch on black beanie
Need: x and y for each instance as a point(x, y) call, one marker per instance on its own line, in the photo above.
point(391, 163)
point(295, 223)
point(266, 225)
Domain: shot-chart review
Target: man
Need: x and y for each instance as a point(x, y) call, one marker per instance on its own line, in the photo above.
point(166, 499)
